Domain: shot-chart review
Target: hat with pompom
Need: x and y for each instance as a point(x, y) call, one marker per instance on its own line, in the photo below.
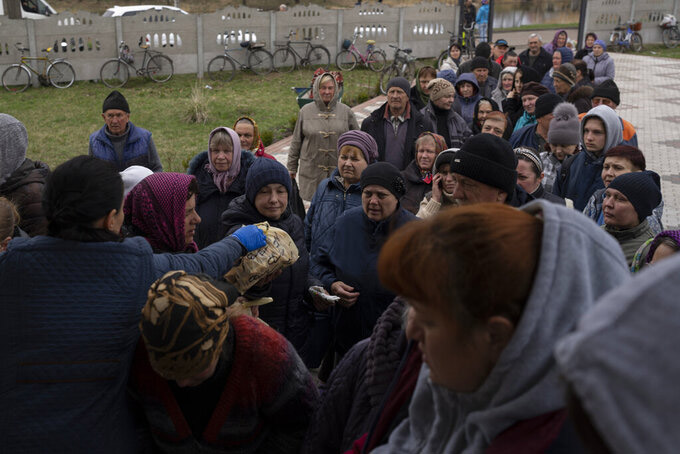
point(564, 127)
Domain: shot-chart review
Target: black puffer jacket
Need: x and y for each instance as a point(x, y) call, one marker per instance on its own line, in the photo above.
point(24, 188)
point(210, 202)
point(416, 188)
point(288, 314)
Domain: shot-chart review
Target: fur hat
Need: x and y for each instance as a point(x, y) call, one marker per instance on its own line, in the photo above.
point(533, 88)
point(489, 160)
point(116, 100)
point(564, 127)
point(440, 88)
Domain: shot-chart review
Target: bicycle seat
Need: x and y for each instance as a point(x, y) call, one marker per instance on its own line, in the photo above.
point(620, 27)
point(407, 51)
point(244, 44)
point(144, 46)
point(370, 41)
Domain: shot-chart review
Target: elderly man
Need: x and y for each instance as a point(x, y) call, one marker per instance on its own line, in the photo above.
point(447, 123)
point(535, 56)
point(396, 125)
point(495, 123)
point(487, 84)
point(121, 142)
point(536, 135)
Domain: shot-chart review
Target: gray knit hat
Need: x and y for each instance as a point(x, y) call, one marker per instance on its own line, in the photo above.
point(399, 82)
point(564, 127)
point(567, 73)
point(13, 145)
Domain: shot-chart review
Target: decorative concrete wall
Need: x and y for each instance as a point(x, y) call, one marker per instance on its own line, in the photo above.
point(87, 40)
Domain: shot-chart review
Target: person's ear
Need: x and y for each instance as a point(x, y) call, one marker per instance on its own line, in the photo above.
point(4, 243)
point(540, 178)
point(108, 220)
point(499, 331)
point(501, 197)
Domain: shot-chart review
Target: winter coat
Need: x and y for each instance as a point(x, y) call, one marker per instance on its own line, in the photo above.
point(498, 93)
point(24, 189)
point(602, 67)
point(542, 63)
point(466, 67)
point(526, 119)
point(351, 256)
point(416, 188)
point(631, 239)
point(578, 263)
point(265, 406)
point(541, 193)
point(288, 313)
point(466, 106)
point(313, 151)
point(459, 131)
point(139, 149)
point(417, 124)
point(594, 211)
point(525, 136)
point(71, 313)
point(548, 81)
point(486, 90)
point(580, 96)
point(483, 14)
point(210, 202)
point(329, 202)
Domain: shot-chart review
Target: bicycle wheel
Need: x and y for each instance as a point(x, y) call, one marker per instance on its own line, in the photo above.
point(387, 75)
point(16, 78)
point(614, 42)
point(319, 57)
point(61, 74)
point(346, 60)
point(636, 42)
point(441, 58)
point(675, 37)
point(377, 61)
point(114, 73)
point(284, 60)
point(410, 72)
point(221, 68)
point(159, 68)
point(260, 62)
point(666, 36)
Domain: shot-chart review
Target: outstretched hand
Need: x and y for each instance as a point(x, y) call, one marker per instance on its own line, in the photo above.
point(250, 237)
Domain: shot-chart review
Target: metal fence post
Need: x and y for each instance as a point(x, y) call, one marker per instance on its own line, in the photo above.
point(200, 58)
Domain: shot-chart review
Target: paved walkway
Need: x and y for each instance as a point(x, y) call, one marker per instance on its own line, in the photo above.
point(650, 100)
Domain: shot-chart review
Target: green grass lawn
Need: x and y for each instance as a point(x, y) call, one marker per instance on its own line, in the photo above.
point(659, 50)
point(59, 122)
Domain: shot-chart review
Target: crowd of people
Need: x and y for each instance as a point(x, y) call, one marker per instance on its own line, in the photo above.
point(467, 276)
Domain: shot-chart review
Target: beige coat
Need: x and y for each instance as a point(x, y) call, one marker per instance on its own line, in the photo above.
point(315, 140)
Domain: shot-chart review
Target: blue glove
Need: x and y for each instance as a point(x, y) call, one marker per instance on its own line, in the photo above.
point(250, 237)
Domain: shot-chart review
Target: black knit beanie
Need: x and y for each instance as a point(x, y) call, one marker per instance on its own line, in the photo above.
point(264, 172)
point(483, 50)
point(116, 100)
point(386, 175)
point(488, 159)
point(399, 82)
point(642, 189)
point(607, 89)
point(546, 103)
point(479, 62)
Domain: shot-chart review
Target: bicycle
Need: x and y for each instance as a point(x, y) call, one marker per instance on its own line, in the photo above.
point(286, 57)
point(157, 66)
point(347, 59)
point(58, 72)
point(402, 65)
point(670, 33)
point(467, 40)
point(223, 67)
point(631, 40)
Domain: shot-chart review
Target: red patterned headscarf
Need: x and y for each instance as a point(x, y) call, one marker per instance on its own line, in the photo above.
point(155, 208)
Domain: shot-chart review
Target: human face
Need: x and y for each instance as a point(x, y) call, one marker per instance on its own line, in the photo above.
point(327, 90)
point(561, 39)
point(469, 191)
point(561, 87)
point(526, 176)
point(191, 219)
point(597, 50)
point(534, 45)
point(661, 252)
point(427, 152)
point(454, 53)
point(246, 135)
point(221, 156)
point(506, 81)
point(378, 202)
point(590, 39)
point(116, 121)
point(518, 82)
point(423, 81)
point(466, 89)
point(481, 74)
point(594, 135)
point(499, 51)
point(445, 102)
point(598, 100)
point(529, 103)
point(562, 151)
point(484, 110)
point(495, 127)
point(351, 163)
point(396, 100)
point(614, 166)
point(271, 200)
point(198, 378)
point(557, 59)
point(618, 211)
point(448, 181)
point(446, 344)
point(511, 61)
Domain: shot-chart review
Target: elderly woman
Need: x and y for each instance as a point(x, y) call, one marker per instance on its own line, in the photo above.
point(487, 326)
point(418, 174)
point(347, 261)
point(506, 82)
point(71, 304)
point(268, 187)
point(221, 174)
point(313, 150)
point(600, 63)
point(560, 56)
point(530, 175)
point(483, 108)
point(162, 209)
point(249, 135)
point(443, 186)
point(559, 40)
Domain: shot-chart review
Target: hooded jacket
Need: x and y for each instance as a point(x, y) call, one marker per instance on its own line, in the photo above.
point(578, 263)
point(466, 106)
point(313, 151)
point(621, 362)
point(581, 177)
point(459, 131)
point(602, 66)
point(552, 45)
point(498, 93)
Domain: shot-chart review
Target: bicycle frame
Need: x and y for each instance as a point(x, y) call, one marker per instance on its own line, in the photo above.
point(626, 40)
point(289, 46)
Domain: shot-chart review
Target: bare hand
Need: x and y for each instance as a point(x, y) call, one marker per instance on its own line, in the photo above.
point(321, 304)
point(254, 310)
point(511, 93)
point(292, 175)
point(436, 187)
point(346, 293)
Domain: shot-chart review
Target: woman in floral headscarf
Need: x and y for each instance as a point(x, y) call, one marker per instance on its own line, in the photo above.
point(418, 174)
point(162, 209)
point(221, 175)
point(249, 135)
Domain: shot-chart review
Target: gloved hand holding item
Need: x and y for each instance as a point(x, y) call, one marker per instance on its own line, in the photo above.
point(250, 237)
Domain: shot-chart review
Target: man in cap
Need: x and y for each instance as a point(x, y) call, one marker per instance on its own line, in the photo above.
point(211, 378)
point(607, 93)
point(500, 47)
point(535, 56)
point(536, 135)
point(446, 122)
point(396, 125)
point(121, 142)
